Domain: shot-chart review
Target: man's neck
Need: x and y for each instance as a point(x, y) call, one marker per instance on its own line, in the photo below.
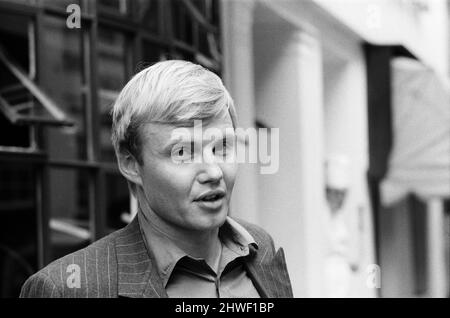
point(198, 244)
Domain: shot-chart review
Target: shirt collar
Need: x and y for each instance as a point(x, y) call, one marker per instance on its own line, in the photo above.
point(236, 237)
point(167, 253)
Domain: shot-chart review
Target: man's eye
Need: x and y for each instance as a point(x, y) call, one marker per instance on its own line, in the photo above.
point(182, 153)
point(221, 149)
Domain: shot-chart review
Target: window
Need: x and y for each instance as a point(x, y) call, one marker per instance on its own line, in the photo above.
point(113, 65)
point(148, 13)
point(69, 211)
point(113, 6)
point(10, 88)
point(61, 4)
point(195, 30)
point(62, 78)
point(183, 24)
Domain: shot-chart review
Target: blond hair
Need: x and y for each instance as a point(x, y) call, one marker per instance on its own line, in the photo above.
point(170, 92)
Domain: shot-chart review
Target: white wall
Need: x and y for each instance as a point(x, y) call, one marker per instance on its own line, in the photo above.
point(288, 97)
point(345, 128)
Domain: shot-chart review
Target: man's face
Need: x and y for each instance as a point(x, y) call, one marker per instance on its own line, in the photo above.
point(187, 195)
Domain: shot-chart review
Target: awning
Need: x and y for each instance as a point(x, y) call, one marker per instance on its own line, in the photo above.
point(419, 162)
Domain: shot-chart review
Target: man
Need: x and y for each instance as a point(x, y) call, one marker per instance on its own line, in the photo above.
point(182, 243)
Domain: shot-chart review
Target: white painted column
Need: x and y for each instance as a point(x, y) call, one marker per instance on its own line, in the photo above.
point(311, 184)
point(288, 82)
point(237, 44)
point(436, 271)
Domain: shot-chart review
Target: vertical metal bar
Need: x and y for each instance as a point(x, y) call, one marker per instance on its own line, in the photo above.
point(97, 211)
point(195, 36)
point(42, 215)
point(32, 75)
point(91, 69)
point(89, 123)
point(133, 10)
point(96, 217)
point(217, 16)
point(39, 217)
point(31, 50)
point(130, 53)
point(165, 24)
point(100, 203)
point(87, 96)
point(181, 24)
point(161, 19)
point(136, 47)
point(41, 171)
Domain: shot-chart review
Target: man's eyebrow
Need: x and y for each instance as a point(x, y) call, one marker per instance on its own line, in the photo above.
point(174, 141)
point(229, 136)
point(188, 139)
point(223, 137)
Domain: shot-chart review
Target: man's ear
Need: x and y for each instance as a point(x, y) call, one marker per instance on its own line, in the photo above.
point(129, 167)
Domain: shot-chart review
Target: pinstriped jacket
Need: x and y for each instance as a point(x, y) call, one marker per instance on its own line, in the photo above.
point(119, 265)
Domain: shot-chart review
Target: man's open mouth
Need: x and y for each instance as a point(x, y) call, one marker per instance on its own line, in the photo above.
point(211, 196)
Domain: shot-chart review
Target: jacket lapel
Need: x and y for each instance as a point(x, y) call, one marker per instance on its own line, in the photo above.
point(137, 276)
point(269, 274)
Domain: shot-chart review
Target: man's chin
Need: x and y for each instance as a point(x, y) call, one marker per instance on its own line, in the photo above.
point(210, 221)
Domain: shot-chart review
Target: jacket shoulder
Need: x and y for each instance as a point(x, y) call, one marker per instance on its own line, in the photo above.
point(88, 272)
point(39, 285)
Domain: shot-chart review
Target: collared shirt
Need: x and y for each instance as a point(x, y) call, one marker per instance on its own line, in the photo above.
point(185, 276)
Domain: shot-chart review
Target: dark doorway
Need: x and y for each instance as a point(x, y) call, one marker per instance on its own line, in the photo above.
point(17, 186)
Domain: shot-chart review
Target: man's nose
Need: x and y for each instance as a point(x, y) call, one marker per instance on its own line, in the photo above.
point(211, 173)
